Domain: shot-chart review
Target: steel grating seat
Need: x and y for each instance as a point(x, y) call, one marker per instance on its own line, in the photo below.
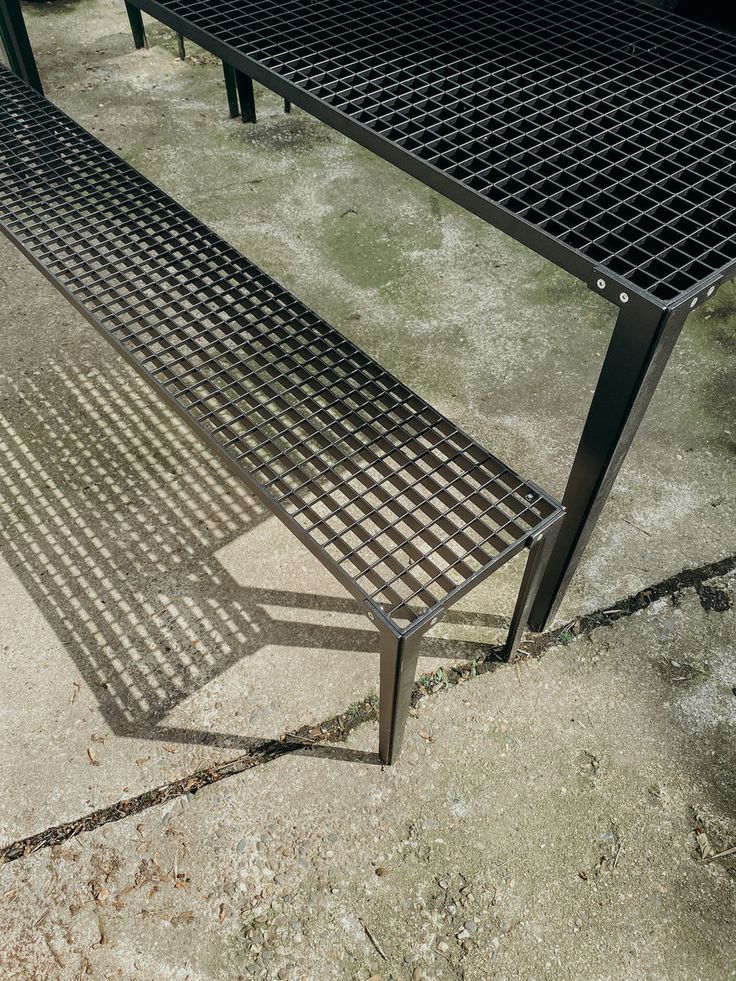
point(405, 509)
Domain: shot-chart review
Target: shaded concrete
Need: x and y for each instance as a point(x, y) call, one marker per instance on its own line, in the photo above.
point(153, 619)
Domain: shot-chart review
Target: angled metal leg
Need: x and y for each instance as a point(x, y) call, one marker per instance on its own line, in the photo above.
point(642, 342)
point(135, 19)
point(539, 553)
point(14, 37)
point(180, 46)
point(246, 96)
point(232, 90)
point(287, 105)
point(398, 667)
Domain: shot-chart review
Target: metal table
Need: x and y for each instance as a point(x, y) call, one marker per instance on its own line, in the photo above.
point(600, 133)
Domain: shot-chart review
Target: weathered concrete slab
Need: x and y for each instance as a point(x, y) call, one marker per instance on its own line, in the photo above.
point(543, 823)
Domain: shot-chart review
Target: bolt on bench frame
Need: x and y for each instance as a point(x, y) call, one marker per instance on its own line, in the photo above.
point(402, 507)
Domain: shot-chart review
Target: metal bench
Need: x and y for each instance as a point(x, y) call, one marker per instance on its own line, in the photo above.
point(407, 511)
point(238, 85)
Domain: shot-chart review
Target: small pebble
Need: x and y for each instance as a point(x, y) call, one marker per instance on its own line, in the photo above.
point(241, 846)
point(409, 958)
point(471, 926)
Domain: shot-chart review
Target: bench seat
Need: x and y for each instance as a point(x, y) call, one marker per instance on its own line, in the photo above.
point(405, 509)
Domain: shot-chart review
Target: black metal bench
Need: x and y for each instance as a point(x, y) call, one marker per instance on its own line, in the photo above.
point(405, 509)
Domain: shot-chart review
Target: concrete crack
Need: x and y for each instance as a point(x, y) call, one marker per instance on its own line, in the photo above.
point(337, 729)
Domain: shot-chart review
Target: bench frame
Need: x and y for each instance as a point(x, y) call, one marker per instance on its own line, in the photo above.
point(28, 189)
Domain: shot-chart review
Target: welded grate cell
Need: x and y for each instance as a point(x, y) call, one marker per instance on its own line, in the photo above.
point(389, 493)
point(605, 123)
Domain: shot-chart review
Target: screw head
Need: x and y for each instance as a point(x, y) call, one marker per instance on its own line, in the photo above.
point(624, 297)
point(601, 284)
point(371, 616)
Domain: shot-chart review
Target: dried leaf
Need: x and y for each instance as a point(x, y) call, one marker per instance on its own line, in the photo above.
point(181, 918)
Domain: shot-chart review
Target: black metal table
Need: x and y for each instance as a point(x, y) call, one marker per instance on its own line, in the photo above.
point(600, 133)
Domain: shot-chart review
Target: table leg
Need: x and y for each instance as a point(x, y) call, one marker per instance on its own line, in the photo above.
point(14, 39)
point(135, 18)
point(642, 342)
point(232, 89)
point(246, 96)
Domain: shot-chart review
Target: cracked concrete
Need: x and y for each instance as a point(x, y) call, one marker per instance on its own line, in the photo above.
point(551, 821)
point(155, 622)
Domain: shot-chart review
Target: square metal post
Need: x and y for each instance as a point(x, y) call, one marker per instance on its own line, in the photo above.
point(231, 88)
point(399, 657)
point(642, 342)
point(246, 96)
point(14, 37)
point(135, 19)
point(539, 553)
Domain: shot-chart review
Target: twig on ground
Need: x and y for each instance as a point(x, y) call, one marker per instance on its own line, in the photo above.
point(372, 938)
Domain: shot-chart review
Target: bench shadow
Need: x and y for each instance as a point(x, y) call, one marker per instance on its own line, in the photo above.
point(111, 514)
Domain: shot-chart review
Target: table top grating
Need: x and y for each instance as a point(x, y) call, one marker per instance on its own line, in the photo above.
point(399, 503)
point(602, 133)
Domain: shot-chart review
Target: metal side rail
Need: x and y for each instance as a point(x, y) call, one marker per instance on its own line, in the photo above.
point(407, 511)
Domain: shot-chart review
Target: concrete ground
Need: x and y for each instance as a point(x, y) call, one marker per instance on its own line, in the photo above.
point(564, 818)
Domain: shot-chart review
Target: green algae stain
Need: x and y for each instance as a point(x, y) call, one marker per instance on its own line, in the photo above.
point(363, 249)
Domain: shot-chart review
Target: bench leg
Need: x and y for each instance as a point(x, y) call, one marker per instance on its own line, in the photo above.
point(231, 89)
point(642, 342)
point(14, 38)
point(246, 96)
point(182, 49)
point(135, 19)
point(287, 105)
point(398, 666)
point(539, 553)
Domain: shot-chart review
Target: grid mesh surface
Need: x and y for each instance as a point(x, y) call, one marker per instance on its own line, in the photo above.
point(605, 123)
point(388, 492)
